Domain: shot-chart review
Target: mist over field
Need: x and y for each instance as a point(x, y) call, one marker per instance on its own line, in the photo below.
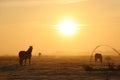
point(52, 68)
point(59, 39)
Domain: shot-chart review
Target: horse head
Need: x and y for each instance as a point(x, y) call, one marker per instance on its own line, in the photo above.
point(29, 49)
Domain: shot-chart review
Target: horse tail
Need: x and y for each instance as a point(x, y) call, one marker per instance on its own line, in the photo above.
point(20, 59)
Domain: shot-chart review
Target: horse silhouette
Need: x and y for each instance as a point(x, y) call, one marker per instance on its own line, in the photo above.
point(98, 57)
point(24, 55)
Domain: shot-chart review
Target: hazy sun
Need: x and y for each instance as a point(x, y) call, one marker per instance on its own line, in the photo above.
point(68, 27)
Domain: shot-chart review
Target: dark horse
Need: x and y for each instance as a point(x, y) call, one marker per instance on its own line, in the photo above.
point(24, 55)
point(98, 57)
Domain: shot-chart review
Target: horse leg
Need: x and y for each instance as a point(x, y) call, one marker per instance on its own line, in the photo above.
point(95, 59)
point(25, 62)
point(101, 59)
point(29, 61)
point(20, 61)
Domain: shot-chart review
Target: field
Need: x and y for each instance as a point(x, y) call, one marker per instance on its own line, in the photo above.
point(52, 68)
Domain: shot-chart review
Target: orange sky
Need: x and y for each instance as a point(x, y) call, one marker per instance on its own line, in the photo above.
point(29, 22)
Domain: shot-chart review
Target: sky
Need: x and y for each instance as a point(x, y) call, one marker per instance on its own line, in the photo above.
point(31, 22)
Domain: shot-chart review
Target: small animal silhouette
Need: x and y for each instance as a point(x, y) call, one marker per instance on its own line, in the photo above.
point(24, 55)
point(39, 54)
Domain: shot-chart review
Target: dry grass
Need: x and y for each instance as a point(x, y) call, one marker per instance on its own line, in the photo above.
point(50, 68)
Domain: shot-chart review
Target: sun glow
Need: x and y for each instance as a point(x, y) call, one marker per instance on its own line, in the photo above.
point(68, 27)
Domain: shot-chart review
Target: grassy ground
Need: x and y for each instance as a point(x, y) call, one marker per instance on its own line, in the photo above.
point(51, 68)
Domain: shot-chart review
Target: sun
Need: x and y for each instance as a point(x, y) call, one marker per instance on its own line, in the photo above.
point(68, 27)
